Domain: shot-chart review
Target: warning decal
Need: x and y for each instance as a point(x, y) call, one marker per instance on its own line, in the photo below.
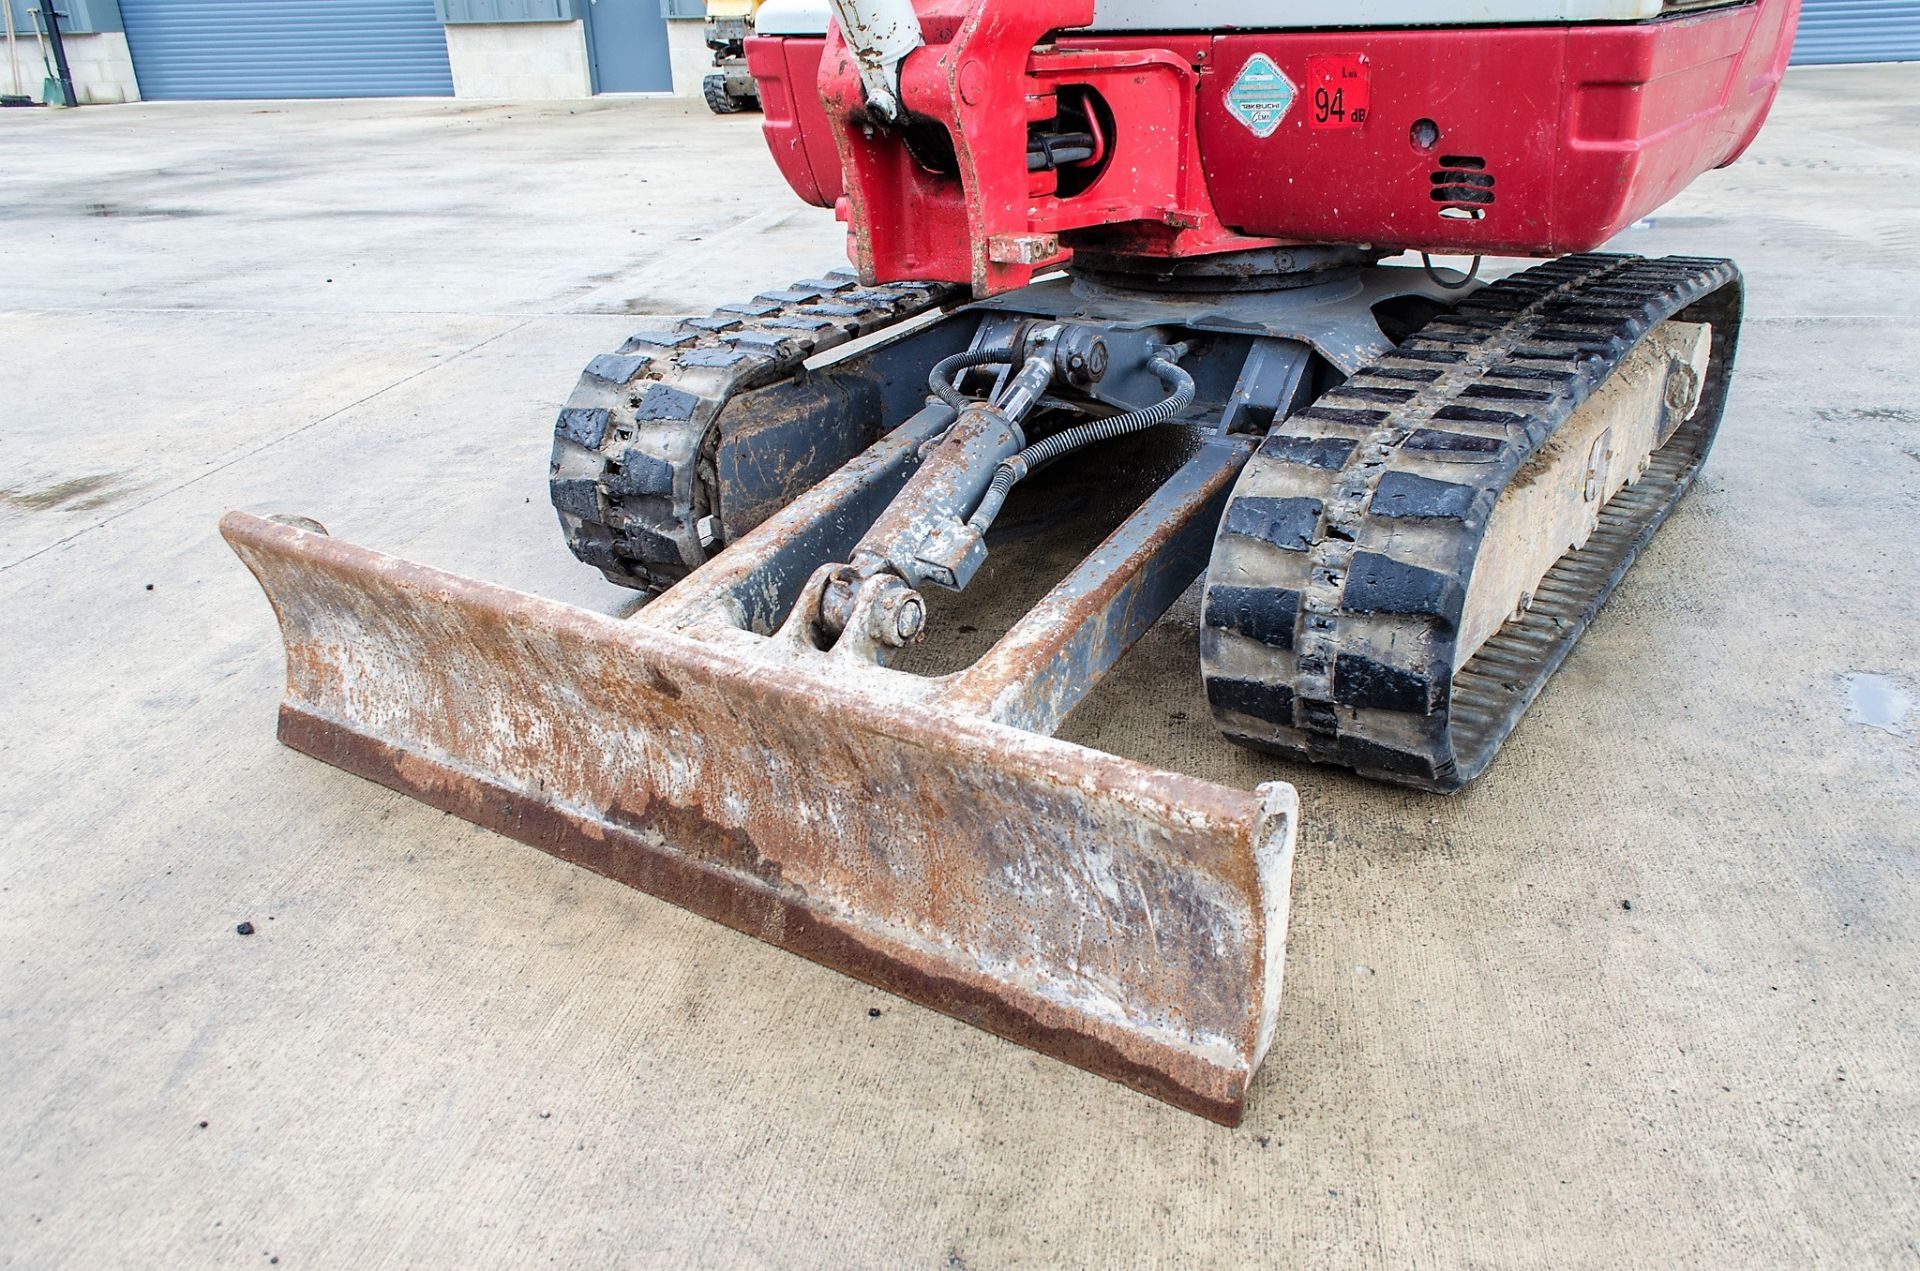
point(1339, 90)
point(1260, 96)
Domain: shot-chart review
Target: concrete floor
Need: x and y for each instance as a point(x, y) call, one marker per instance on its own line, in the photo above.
point(444, 1048)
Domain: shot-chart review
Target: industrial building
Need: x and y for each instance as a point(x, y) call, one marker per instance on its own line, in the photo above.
point(200, 50)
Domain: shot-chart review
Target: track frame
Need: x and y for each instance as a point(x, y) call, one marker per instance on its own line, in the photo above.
point(1335, 598)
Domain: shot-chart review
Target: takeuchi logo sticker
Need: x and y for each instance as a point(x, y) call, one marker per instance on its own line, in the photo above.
point(1261, 95)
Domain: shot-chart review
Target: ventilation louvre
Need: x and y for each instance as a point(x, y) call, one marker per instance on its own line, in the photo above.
point(1462, 186)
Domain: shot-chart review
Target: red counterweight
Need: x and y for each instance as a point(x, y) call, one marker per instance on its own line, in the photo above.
point(1025, 140)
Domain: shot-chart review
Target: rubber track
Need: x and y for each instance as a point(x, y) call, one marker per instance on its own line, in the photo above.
point(1334, 596)
point(631, 445)
point(719, 100)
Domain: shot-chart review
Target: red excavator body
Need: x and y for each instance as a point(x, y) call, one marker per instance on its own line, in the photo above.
point(1512, 140)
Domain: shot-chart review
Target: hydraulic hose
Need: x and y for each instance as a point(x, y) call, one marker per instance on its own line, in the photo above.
point(940, 378)
point(1426, 263)
point(1060, 403)
point(1164, 364)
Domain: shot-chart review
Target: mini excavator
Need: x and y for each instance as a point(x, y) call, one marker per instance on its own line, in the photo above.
point(1186, 244)
point(729, 88)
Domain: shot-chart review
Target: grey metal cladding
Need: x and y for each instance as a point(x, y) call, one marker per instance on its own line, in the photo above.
point(1858, 31)
point(464, 12)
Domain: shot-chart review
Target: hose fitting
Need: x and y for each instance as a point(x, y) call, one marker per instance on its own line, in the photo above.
point(1164, 364)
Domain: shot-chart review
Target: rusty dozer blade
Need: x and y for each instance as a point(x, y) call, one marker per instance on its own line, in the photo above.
point(1127, 920)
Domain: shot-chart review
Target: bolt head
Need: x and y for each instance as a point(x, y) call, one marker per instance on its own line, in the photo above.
point(897, 615)
point(1097, 359)
point(911, 619)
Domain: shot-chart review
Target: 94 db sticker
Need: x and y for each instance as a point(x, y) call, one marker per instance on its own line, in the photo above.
point(1339, 90)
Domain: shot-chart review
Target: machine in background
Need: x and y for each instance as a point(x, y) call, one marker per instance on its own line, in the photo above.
point(730, 88)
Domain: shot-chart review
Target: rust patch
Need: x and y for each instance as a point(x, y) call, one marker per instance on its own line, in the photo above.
point(662, 685)
point(728, 845)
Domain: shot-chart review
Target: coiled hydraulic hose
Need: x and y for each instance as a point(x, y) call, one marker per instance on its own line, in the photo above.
point(940, 378)
point(940, 384)
point(1164, 364)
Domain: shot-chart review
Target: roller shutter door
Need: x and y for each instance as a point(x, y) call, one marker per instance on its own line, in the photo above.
point(198, 49)
point(1858, 31)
